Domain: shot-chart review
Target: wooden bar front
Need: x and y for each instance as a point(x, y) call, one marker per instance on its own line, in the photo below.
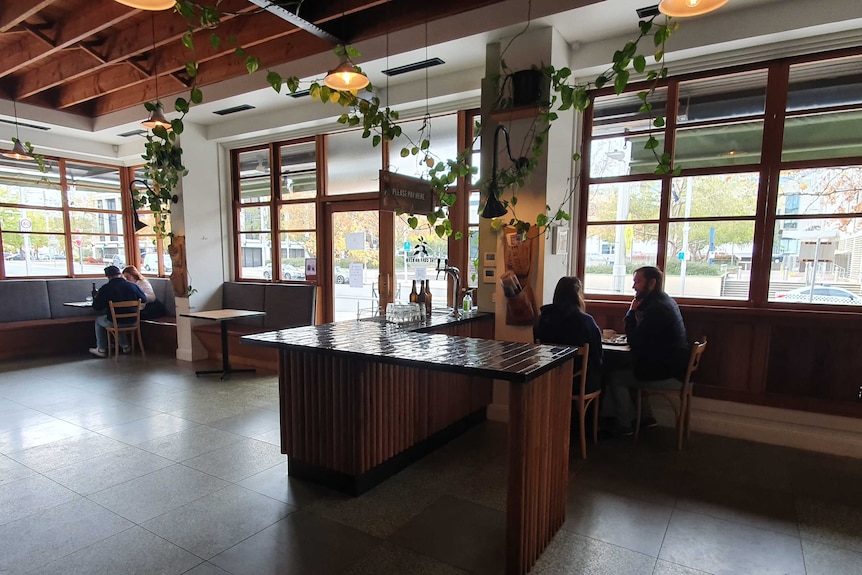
point(357, 405)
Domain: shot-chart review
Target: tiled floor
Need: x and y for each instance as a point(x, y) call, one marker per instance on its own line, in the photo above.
point(139, 467)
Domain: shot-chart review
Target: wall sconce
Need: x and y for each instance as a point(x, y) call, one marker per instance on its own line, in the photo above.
point(494, 208)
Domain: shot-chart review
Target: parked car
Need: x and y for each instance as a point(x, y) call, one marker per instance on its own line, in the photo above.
point(822, 294)
point(151, 263)
point(341, 275)
point(288, 272)
point(15, 256)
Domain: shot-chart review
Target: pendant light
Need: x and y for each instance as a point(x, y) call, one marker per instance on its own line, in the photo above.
point(154, 5)
point(18, 151)
point(346, 76)
point(157, 116)
point(685, 8)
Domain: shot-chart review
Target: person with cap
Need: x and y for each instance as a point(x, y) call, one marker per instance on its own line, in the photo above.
point(117, 289)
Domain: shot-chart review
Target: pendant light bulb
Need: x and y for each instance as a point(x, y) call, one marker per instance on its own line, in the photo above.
point(156, 119)
point(346, 77)
point(686, 8)
point(18, 152)
point(153, 5)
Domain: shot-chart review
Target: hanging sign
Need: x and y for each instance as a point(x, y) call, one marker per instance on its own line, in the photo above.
point(406, 194)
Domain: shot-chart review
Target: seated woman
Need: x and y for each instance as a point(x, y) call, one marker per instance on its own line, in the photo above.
point(564, 322)
point(153, 308)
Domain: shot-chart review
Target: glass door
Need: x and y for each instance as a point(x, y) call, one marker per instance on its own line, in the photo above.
point(362, 271)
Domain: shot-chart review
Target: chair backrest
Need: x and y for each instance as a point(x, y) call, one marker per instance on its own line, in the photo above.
point(584, 353)
point(125, 310)
point(581, 374)
point(697, 350)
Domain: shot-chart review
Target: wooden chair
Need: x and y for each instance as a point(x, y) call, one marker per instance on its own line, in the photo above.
point(125, 310)
point(583, 399)
point(674, 388)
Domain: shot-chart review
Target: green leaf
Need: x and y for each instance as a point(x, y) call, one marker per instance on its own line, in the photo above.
point(375, 141)
point(541, 220)
point(196, 95)
point(413, 222)
point(293, 84)
point(651, 143)
point(343, 119)
point(459, 235)
point(621, 81)
point(252, 64)
point(659, 54)
point(192, 69)
point(187, 41)
point(425, 143)
point(601, 81)
point(405, 152)
point(274, 79)
point(215, 41)
point(658, 122)
point(639, 64)
point(440, 230)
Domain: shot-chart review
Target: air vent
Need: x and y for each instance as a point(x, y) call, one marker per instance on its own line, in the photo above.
point(299, 94)
point(647, 12)
point(234, 110)
point(25, 125)
point(413, 67)
point(132, 133)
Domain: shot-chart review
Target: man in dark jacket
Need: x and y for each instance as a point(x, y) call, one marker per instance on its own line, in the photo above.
point(117, 289)
point(659, 347)
point(655, 330)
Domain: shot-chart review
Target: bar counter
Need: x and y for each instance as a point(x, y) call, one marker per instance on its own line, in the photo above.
point(361, 400)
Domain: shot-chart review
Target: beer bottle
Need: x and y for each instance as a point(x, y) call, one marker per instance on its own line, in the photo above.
point(414, 297)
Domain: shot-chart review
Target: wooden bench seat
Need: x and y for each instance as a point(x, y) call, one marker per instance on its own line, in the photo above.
point(35, 323)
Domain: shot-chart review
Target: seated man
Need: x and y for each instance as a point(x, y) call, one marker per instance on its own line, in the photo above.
point(659, 348)
point(117, 289)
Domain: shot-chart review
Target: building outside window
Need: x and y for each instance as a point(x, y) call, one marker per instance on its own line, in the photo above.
point(65, 222)
point(763, 211)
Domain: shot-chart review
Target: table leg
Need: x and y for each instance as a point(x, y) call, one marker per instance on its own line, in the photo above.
point(226, 369)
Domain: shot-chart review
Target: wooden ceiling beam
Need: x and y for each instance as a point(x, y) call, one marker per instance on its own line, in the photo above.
point(264, 35)
point(228, 66)
point(14, 12)
point(131, 42)
point(87, 22)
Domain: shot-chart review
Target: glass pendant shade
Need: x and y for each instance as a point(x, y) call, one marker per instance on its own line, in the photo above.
point(686, 8)
point(346, 77)
point(157, 118)
point(18, 152)
point(148, 4)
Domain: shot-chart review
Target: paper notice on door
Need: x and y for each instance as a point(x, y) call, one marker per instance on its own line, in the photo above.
point(354, 240)
point(356, 275)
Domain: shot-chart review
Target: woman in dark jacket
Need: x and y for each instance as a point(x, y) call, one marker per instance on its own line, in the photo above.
point(564, 322)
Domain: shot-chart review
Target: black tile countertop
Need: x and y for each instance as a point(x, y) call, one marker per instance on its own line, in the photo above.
point(406, 345)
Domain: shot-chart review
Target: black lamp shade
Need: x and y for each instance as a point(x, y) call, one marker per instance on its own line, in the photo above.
point(494, 208)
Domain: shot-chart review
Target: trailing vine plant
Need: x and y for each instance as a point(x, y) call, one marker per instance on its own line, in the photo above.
point(566, 95)
point(379, 122)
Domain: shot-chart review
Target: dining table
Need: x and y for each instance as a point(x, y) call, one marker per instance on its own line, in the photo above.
point(222, 316)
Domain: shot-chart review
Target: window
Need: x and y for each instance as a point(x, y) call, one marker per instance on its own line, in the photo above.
point(276, 217)
point(152, 257)
point(699, 226)
point(68, 221)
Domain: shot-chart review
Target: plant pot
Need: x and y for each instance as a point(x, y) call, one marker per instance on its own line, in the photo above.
point(527, 87)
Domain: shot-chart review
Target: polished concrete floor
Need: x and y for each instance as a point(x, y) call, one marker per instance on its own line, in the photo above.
point(140, 468)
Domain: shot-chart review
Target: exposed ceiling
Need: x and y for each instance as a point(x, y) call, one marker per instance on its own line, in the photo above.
point(83, 68)
point(96, 57)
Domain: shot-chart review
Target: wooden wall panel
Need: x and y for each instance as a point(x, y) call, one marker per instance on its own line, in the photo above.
point(781, 358)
